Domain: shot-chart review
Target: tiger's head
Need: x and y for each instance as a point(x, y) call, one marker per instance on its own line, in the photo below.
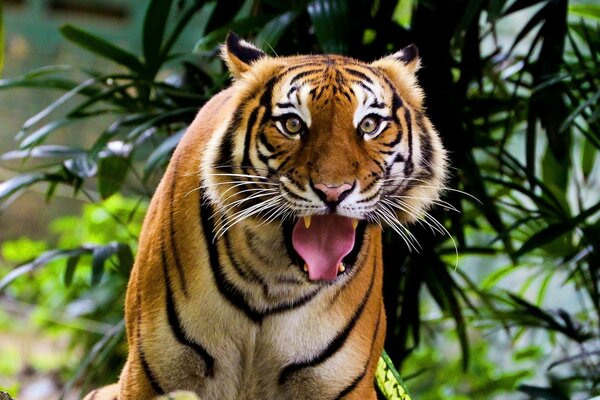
point(323, 143)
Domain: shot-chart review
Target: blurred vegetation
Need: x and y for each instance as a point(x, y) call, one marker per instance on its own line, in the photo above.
point(512, 86)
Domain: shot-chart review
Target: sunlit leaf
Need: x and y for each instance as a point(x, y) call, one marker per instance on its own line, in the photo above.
point(388, 379)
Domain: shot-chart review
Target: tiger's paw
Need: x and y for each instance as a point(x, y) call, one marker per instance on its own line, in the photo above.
point(179, 395)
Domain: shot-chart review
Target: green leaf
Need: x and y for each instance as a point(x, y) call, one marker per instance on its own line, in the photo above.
point(18, 183)
point(532, 22)
point(125, 257)
point(520, 5)
point(245, 10)
point(102, 47)
point(588, 158)
point(108, 342)
point(585, 10)
point(242, 27)
point(204, 12)
point(115, 127)
point(555, 231)
point(162, 152)
point(39, 135)
point(112, 171)
point(38, 78)
point(155, 23)
point(39, 262)
point(70, 270)
point(162, 118)
point(330, 20)
point(81, 166)
point(269, 36)
point(43, 151)
point(592, 101)
point(542, 392)
point(99, 256)
point(55, 105)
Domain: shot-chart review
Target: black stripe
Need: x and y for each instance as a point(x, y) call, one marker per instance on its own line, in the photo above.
point(265, 160)
point(366, 88)
point(361, 75)
point(178, 329)
point(344, 91)
point(283, 162)
point(277, 154)
point(335, 345)
point(175, 253)
point(249, 127)
point(369, 186)
point(263, 139)
point(377, 162)
point(426, 148)
point(284, 105)
point(246, 275)
point(227, 290)
point(408, 165)
point(225, 287)
point(226, 146)
point(360, 376)
point(368, 199)
point(145, 367)
point(302, 74)
point(395, 141)
point(295, 196)
point(396, 105)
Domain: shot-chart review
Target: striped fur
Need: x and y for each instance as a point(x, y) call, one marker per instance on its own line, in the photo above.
point(218, 303)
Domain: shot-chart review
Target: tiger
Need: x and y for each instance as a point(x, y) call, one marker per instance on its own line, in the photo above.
point(259, 270)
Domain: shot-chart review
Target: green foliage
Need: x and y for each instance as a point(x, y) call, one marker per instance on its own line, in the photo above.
point(388, 379)
point(96, 243)
point(518, 113)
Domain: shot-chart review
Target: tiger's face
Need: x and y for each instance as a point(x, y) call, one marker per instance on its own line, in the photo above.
point(325, 143)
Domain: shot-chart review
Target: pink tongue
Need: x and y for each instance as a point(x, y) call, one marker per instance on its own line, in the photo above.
point(324, 244)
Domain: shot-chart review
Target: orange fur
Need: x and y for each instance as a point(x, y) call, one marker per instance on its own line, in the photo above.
point(186, 329)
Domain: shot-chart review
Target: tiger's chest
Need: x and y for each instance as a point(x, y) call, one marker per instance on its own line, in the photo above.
point(271, 358)
point(275, 335)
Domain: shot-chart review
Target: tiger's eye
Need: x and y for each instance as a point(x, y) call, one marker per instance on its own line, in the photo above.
point(293, 125)
point(368, 125)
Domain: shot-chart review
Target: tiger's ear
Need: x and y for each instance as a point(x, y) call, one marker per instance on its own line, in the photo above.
point(408, 57)
point(239, 54)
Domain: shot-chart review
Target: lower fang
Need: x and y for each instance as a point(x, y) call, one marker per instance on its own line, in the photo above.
point(305, 268)
point(341, 268)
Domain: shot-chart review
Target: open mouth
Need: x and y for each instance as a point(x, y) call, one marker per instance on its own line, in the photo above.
point(327, 244)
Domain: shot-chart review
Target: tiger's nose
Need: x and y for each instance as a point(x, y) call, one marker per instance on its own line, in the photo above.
point(332, 194)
